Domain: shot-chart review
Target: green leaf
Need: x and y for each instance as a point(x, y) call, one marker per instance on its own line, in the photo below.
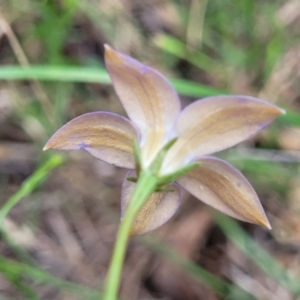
point(196, 272)
point(92, 75)
point(255, 252)
point(12, 268)
point(291, 118)
point(30, 184)
point(176, 47)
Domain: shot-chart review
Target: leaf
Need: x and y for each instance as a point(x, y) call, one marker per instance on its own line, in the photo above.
point(105, 135)
point(220, 185)
point(261, 257)
point(94, 75)
point(31, 183)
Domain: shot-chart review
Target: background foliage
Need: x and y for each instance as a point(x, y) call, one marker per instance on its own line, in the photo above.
point(59, 212)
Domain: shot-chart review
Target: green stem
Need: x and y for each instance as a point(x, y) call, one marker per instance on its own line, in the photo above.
point(145, 186)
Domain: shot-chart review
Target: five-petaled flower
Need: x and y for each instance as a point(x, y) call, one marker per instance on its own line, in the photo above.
point(156, 120)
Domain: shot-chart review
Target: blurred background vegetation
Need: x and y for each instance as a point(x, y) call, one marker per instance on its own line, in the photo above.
point(60, 211)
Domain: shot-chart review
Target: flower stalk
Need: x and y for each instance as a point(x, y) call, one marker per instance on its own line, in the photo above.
point(145, 186)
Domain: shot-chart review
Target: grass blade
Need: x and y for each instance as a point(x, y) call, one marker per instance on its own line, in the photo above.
point(193, 89)
point(30, 184)
point(196, 272)
point(18, 269)
point(177, 48)
point(92, 75)
point(291, 118)
point(260, 256)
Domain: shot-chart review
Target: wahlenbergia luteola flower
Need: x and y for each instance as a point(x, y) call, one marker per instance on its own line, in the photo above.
point(171, 144)
point(166, 150)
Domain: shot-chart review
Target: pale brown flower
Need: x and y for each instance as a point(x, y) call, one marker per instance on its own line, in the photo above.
point(206, 126)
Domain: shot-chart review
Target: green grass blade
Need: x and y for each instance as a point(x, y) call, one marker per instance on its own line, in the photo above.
point(196, 272)
point(30, 184)
point(92, 75)
point(55, 73)
point(291, 118)
point(18, 269)
point(255, 252)
point(177, 48)
point(193, 89)
point(16, 280)
point(19, 251)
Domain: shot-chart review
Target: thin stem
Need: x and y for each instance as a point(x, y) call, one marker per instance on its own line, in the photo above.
point(145, 186)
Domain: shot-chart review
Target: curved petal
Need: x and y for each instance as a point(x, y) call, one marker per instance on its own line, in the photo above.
point(158, 209)
point(216, 123)
point(220, 185)
point(148, 98)
point(105, 135)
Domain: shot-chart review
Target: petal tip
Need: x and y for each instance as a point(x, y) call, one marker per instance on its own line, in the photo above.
point(265, 223)
point(47, 146)
point(111, 54)
point(107, 47)
point(282, 111)
point(278, 110)
point(271, 109)
point(53, 143)
point(268, 225)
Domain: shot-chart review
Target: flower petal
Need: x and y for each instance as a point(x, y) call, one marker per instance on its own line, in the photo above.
point(148, 98)
point(220, 185)
point(105, 135)
point(158, 209)
point(216, 123)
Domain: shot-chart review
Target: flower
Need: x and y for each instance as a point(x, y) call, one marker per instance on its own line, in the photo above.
point(181, 137)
